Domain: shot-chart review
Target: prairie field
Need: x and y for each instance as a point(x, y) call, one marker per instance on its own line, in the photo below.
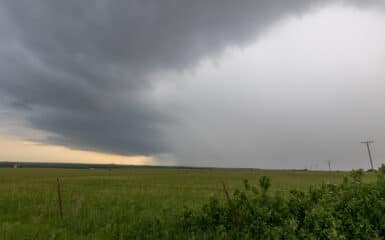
point(103, 203)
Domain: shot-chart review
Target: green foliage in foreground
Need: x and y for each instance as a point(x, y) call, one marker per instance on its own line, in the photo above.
point(137, 203)
point(351, 210)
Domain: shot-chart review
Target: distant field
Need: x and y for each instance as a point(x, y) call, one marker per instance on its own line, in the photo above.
point(96, 202)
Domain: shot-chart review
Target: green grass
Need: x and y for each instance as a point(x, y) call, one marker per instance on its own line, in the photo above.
point(104, 204)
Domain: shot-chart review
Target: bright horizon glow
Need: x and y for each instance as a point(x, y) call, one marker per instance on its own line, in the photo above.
point(304, 90)
point(16, 150)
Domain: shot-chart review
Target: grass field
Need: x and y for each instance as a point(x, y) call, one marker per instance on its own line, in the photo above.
point(100, 204)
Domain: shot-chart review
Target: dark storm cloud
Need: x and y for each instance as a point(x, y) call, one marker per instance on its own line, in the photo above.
point(80, 69)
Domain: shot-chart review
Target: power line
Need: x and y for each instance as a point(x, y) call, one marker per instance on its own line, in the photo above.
point(367, 143)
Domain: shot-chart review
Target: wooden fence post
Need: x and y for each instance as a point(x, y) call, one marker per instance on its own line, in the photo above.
point(231, 206)
point(59, 197)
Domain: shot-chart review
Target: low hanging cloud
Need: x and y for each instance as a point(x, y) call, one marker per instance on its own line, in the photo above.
point(82, 70)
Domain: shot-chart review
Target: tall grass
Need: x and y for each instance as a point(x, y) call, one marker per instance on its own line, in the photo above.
point(103, 204)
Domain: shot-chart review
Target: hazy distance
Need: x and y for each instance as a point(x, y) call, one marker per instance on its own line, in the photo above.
point(264, 84)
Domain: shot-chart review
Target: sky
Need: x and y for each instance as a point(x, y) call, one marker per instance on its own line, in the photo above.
point(256, 84)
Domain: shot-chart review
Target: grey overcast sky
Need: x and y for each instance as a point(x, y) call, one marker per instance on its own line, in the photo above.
point(247, 83)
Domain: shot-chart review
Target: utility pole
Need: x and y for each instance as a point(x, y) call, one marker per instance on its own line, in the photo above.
point(367, 143)
point(330, 165)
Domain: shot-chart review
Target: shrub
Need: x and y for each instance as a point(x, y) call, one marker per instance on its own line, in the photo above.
point(351, 210)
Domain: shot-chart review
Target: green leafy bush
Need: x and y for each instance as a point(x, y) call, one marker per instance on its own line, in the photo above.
point(351, 210)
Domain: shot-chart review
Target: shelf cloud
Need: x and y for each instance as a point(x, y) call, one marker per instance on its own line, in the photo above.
point(85, 72)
